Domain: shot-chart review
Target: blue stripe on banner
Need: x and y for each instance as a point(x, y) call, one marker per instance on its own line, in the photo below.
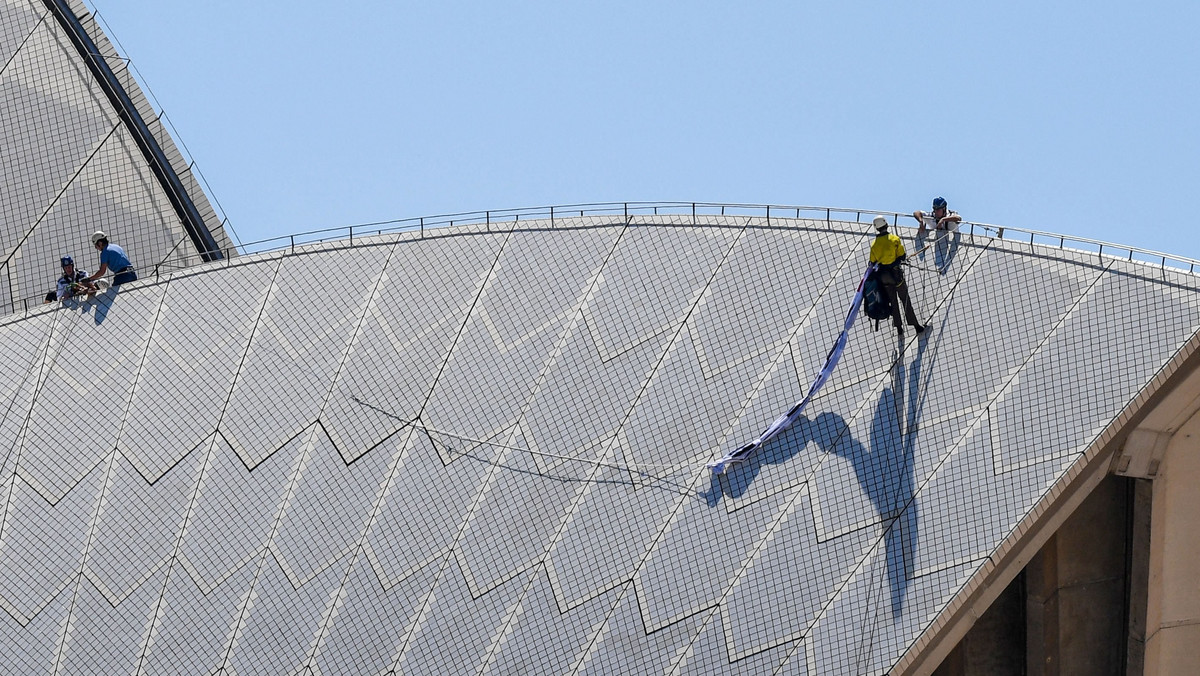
point(785, 421)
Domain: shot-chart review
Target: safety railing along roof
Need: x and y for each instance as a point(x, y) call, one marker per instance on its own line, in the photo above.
point(627, 209)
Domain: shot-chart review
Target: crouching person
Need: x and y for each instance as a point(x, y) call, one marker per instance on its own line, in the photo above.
point(73, 282)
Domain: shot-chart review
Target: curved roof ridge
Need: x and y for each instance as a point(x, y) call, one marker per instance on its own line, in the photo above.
point(663, 208)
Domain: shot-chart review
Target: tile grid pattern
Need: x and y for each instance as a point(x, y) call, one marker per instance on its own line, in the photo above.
point(72, 166)
point(264, 532)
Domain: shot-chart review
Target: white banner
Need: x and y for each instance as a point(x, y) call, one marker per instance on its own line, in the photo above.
point(785, 421)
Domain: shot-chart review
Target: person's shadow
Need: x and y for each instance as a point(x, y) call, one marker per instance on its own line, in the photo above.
point(945, 248)
point(884, 471)
point(103, 303)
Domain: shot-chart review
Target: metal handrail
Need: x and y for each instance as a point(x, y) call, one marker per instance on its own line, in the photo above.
point(626, 209)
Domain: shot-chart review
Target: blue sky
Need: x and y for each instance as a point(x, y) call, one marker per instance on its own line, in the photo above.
point(1070, 117)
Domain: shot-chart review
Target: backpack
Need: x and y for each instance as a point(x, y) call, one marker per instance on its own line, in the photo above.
point(876, 303)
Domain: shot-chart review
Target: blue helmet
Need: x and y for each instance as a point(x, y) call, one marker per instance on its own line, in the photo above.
point(939, 202)
point(67, 260)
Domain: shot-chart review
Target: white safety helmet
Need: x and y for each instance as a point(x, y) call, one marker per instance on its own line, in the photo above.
point(880, 222)
point(97, 236)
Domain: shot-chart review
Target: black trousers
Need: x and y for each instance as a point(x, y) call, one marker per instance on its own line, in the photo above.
point(892, 281)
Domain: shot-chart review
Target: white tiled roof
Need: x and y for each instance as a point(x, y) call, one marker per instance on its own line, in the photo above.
point(482, 450)
point(70, 166)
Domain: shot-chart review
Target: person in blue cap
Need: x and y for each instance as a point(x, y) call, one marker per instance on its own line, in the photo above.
point(73, 282)
point(112, 257)
point(940, 219)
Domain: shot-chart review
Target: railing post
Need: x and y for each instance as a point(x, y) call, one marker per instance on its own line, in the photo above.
point(768, 215)
point(422, 227)
point(293, 240)
point(693, 214)
point(552, 217)
point(352, 235)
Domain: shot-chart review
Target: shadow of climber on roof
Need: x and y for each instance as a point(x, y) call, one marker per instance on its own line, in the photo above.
point(884, 467)
point(885, 471)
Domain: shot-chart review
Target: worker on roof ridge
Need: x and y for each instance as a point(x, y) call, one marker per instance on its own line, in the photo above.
point(112, 257)
point(941, 218)
point(72, 282)
point(887, 252)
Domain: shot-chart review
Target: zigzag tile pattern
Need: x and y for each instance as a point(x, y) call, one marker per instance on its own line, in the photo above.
point(481, 449)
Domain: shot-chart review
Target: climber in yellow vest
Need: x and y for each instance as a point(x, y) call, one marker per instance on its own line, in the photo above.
point(888, 251)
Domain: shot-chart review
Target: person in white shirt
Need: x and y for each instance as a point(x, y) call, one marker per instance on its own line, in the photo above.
point(940, 219)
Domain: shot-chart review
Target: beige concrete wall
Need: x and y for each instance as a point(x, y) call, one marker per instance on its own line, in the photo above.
point(1173, 604)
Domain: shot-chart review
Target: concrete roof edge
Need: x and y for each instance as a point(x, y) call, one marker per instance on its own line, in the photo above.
point(1014, 553)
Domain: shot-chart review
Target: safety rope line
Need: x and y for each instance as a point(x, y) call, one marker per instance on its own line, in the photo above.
point(635, 467)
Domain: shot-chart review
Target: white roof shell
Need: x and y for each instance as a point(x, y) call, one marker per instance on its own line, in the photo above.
point(482, 449)
point(70, 166)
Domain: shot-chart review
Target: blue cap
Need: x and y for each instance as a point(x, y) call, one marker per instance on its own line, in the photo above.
point(939, 202)
point(67, 260)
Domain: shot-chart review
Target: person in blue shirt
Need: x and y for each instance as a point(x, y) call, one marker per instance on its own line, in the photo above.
point(112, 257)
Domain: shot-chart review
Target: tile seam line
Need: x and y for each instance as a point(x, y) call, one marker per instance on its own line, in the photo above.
point(254, 332)
point(512, 613)
point(329, 616)
point(151, 335)
point(578, 318)
point(350, 344)
point(239, 624)
point(41, 20)
point(36, 358)
point(58, 196)
point(214, 438)
point(971, 428)
point(786, 349)
point(617, 434)
point(449, 556)
point(466, 320)
point(825, 238)
point(837, 591)
point(593, 642)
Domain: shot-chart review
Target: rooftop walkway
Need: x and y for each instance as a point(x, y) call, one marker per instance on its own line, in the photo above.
point(482, 448)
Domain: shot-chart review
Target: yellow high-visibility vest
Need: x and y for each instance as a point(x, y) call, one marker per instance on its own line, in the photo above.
point(886, 249)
